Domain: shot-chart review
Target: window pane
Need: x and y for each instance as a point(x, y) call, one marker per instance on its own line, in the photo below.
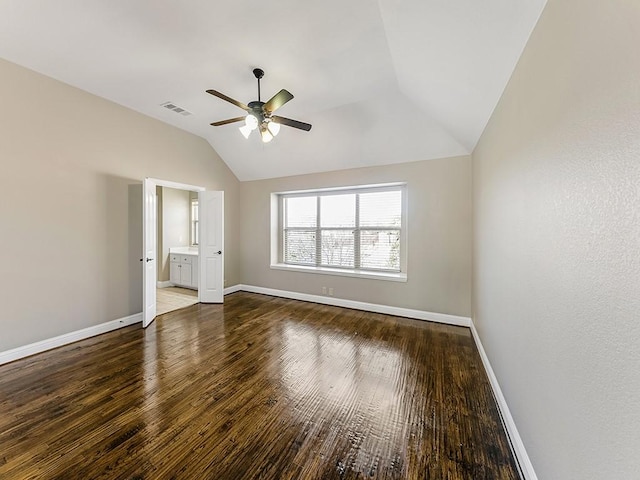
point(300, 247)
point(195, 234)
point(194, 222)
point(194, 210)
point(381, 209)
point(300, 211)
point(337, 248)
point(338, 211)
point(380, 249)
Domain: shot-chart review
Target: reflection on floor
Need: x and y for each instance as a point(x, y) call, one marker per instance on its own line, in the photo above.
point(173, 298)
point(258, 388)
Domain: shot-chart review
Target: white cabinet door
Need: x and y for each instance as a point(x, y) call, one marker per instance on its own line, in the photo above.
point(174, 273)
point(183, 270)
point(185, 274)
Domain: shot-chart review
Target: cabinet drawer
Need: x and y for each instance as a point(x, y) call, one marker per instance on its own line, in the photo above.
point(174, 257)
point(185, 258)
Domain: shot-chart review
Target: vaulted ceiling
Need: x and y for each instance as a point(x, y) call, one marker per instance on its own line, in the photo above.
point(382, 82)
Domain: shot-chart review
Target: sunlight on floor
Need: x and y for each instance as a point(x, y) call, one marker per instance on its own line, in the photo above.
point(173, 298)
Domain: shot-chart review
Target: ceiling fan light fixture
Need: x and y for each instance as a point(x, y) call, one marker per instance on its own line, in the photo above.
point(273, 128)
point(266, 135)
point(246, 131)
point(251, 121)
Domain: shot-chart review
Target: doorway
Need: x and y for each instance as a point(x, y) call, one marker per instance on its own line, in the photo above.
point(177, 248)
point(201, 265)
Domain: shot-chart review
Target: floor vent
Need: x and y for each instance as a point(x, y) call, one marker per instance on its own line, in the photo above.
point(172, 106)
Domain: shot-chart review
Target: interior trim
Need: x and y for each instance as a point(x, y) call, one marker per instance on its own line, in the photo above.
point(67, 338)
point(369, 307)
point(519, 450)
point(343, 272)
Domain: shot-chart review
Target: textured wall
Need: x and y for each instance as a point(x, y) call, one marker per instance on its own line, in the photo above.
point(557, 241)
point(68, 238)
point(439, 236)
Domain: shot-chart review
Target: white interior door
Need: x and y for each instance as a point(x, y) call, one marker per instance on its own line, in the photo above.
point(149, 214)
point(211, 213)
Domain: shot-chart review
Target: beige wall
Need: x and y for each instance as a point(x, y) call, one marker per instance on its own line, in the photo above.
point(175, 211)
point(439, 237)
point(68, 159)
point(557, 241)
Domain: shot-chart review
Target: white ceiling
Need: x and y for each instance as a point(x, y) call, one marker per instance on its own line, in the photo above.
point(382, 82)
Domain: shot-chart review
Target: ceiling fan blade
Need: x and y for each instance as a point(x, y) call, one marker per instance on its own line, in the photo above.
point(231, 120)
point(278, 100)
point(228, 99)
point(291, 123)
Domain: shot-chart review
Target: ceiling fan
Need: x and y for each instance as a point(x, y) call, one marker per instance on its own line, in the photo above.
point(260, 114)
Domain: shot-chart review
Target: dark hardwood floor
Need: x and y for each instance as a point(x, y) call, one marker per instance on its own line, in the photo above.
point(257, 388)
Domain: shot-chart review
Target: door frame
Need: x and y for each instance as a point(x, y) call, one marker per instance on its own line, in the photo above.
point(154, 226)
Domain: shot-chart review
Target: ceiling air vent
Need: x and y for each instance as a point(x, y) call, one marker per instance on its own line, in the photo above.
point(173, 107)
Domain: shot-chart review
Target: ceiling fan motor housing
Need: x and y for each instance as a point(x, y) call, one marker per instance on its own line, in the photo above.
point(257, 110)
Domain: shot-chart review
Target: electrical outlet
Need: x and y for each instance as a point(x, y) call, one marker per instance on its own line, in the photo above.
point(331, 291)
point(324, 290)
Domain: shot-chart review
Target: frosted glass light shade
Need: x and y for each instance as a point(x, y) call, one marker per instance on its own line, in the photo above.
point(273, 127)
point(266, 135)
point(246, 131)
point(251, 121)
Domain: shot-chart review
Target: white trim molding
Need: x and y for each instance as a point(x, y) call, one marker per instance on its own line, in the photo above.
point(343, 272)
point(67, 338)
point(165, 284)
point(519, 451)
point(369, 307)
point(234, 289)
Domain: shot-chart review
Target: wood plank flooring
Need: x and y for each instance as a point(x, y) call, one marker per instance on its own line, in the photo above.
point(257, 388)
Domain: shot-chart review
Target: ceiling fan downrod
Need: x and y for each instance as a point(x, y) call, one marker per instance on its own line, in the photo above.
point(259, 73)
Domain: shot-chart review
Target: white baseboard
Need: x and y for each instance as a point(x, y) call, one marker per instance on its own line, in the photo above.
point(526, 467)
point(369, 307)
point(65, 339)
point(234, 289)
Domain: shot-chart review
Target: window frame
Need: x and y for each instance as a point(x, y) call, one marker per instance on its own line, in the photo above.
point(194, 222)
point(278, 233)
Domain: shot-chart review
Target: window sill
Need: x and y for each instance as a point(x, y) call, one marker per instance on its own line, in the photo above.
point(389, 276)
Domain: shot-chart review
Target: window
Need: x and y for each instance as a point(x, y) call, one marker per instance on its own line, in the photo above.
point(195, 234)
point(358, 230)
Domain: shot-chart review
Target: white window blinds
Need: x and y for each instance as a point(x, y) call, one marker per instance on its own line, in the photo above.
point(354, 229)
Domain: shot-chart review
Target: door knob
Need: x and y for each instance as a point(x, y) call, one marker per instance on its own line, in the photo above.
point(149, 259)
point(219, 252)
